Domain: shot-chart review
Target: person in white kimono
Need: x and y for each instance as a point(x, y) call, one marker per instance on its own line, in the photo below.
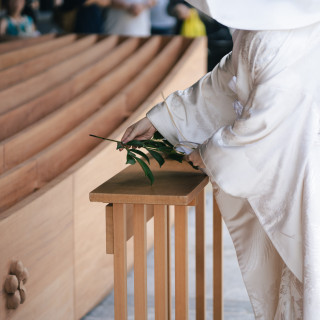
point(256, 119)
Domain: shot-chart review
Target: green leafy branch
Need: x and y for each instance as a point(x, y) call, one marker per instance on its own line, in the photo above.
point(158, 147)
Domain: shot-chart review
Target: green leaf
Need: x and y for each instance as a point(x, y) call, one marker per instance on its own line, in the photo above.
point(168, 143)
point(141, 154)
point(130, 159)
point(154, 144)
point(194, 167)
point(135, 143)
point(158, 136)
point(119, 145)
point(176, 156)
point(157, 156)
point(145, 169)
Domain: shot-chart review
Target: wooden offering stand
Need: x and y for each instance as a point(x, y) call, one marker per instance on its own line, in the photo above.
point(178, 185)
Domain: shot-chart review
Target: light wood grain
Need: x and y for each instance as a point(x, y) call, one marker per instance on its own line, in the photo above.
point(19, 43)
point(109, 229)
point(120, 262)
point(140, 262)
point(160, 262)
point(175, 183)
point(9, 59)
point(40, 234)
point(38, 84)
point(15, 120)
point(181, 263)
point(129, 222)
point(217, 262)
point(34, 66)
point(169, 223)
point(200, 258)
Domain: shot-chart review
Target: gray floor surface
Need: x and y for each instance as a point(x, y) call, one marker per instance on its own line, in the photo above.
point(236, 302)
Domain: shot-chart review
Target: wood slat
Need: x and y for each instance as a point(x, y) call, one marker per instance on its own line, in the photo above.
point(61, 121)
point(200, 258)
point(66, 118)
point(129, 217)
point(160, 262)
point(11, 58)
point(34, 66)
point(140, 262)
point(181, 263)
point(15, 185)
point(120, 263)
point(169, 262)
point(19, 118)
point(217, 262)
point(52, 76)
point(160, 66)
point(11, 45)
point(109, 229)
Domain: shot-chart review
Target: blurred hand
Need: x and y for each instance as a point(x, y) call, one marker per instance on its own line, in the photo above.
point(136, 8)
point(181, 11)
point(196, 159)
point(141, 130)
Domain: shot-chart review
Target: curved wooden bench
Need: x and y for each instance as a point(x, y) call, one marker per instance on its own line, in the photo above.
point(24, 115)
point(34, 66)
point(66, 118)
point(68, 149)
point(23, 43)
point(11, 58)
point(53, 76)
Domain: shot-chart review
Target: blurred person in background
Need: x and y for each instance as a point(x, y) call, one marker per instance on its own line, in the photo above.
point(16, 24)
point(161, 22)
point(129, 17)
point(81, 16)
point(30, 9)
point(219, 36)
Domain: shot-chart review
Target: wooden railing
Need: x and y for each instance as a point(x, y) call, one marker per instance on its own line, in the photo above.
point(132, 202)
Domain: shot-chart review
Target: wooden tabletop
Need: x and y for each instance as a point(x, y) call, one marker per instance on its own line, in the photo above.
point(174, 184)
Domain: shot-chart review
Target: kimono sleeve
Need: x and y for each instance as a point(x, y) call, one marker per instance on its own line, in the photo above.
point(198, 111)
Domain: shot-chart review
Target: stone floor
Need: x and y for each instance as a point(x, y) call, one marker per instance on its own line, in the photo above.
point(236, 301)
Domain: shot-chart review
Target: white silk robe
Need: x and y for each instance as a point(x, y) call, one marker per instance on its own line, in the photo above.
point(264, 160)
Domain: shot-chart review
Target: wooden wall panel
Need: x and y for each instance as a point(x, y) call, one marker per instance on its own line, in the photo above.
point(40, 234)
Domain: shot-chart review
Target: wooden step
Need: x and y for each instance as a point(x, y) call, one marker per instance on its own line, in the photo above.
point(23, 43)
point(66, 118)
point(11, 58)
point(25, 70)
point(53, 76)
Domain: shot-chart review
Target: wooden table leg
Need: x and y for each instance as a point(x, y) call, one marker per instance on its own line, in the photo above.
point(200, 258)
point(169, 260)
point(140, 262)
point(160, 262)
point(120, 262)
point(217, 263)
point(181, 263)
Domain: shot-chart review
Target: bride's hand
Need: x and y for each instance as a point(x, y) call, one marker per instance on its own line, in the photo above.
point(196, 159)
point(141, 130)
